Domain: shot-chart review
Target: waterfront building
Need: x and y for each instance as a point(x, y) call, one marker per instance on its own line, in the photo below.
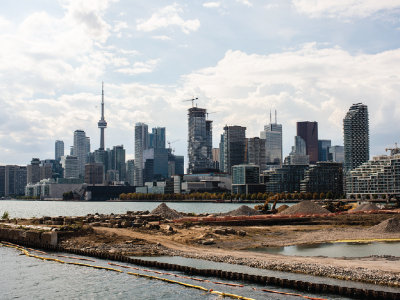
point(130, 171)
point(59, 150)
point(199, 141)
point(12, 180)
point(246, 179)
point(234, 147)
point(156, 138)
point(102, 124)
point(272, 135)
point(70, 165)
point(94, 173)
point(46, 171)
point(286, 179)
point(356, 136)
point(323, 146)
point(56, 168)
point(33, 171)
point(336, 154)
point(193, 183)
point(255, 152)
point(80, 150)
point(2, 180)
point(49, 189)
point(141, 135)
point(308, 131)
point(322, 178)
point(380, 176)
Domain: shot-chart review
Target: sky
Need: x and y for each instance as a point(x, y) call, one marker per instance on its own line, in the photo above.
point(308, 59)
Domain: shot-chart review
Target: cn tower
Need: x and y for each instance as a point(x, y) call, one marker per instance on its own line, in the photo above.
point(102, 123)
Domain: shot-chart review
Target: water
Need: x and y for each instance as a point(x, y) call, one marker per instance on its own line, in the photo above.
point(29, 209)
point(336, 249)
point(24, 277)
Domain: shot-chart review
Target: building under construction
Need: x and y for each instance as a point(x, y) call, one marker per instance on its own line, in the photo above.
point(199, 141)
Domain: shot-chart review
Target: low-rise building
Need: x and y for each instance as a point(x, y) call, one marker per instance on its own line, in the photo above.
point(286, 179)
point(246, 179)
point(322, 178)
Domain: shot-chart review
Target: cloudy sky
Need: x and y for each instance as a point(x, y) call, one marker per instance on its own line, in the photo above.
point(308, 59)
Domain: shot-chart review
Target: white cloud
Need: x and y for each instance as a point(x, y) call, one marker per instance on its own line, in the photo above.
point(161, 38)
point(120, 25)
point(211, 4)
point(140, 67)
point(345, 8)
point(168, 16)
point(245, 2)
point(132, 52)
point(4, 23)
point(269, 6)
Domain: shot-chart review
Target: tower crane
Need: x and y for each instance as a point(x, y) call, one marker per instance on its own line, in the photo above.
point(394, 150)
point(211, 113)
point(169, 143)
point(193, 99)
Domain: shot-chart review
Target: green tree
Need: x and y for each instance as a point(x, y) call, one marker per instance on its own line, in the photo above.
point(289, 196)
point(308, 196)
point(383, 196)
point(344, 196)
point(296, 196)
point(253, 197)
point(283, 196)
point(375, 196)
point(248, 196)
point(243, 196)
point(358, 196)
point(302, 196)
point(367, 196)
point(322, 196)
point(259, 196)
point(329, 195)
point(315, 196)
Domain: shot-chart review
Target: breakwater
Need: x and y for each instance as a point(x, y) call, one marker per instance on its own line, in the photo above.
point(270, 280)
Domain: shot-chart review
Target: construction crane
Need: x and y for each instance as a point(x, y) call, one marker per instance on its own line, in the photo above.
point(193, 99)
point(211, 113)
point(169, 143)
point(394, 150)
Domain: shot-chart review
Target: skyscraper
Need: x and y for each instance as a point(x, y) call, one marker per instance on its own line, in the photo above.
point(33, 171)
point(336, 154)
point(87, 145)
point(59, 150)
point(117, 161)
point(308, 131)
point(272, 135)
point(70, 165)
point(323, 146)
point(356, 136)
point(130, 171)
point(199, 133)
point(102, 123)
point(141, 135)
point(80, 150)
point(298, 154)
point(156, 138)
point(255, 151)
point(234, 147)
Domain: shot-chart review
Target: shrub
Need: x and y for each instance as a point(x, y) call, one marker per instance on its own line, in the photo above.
point(6, 215)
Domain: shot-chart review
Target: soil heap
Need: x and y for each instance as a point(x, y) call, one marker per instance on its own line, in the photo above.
point(388, 226)
point(305, 207)
point(282, 208)
point(366, 206)
point(244, 210)
point(166, 212)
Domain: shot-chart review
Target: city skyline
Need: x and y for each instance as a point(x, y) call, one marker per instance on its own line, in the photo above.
point(308, 63)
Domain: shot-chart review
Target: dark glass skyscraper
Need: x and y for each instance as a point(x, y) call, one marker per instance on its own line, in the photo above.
point(356, 136)
point(323, 146)
point(308, 131)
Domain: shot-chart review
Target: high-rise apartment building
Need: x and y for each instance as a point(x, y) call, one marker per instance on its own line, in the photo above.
point(234, 147)
point(272, 135)
point(156, 138)
point(159, 163)
point(33, 171)
point(14, 180)
point(141, 135)
point(255, 152)
point(59, 150)
point(356, 136)
point(308, 131)
point(57, 170)
point(130, 171)
point(117, 161)
point(336, 154)
point(80, 150)
point(199, 141)
point(323, 153)
point(101, 157)
point(70, 165)
point(87, 145)
point(46, 171)
point(221, 154)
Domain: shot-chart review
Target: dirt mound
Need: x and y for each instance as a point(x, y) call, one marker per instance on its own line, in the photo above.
point(282, 208)
point(244, 210)
point(366, 206)
point(305, 207)
point(166, 212)
point(387, 226)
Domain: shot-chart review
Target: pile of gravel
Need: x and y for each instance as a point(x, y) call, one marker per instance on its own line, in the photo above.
point(166, 212)
point(244, 210)
point(387, 226)
point(366, 206)
point(305, 207)
point(282, 208)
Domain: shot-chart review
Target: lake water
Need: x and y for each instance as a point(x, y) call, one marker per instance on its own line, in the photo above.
point(336, 249)
point(28, 209)
point(24, 277)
